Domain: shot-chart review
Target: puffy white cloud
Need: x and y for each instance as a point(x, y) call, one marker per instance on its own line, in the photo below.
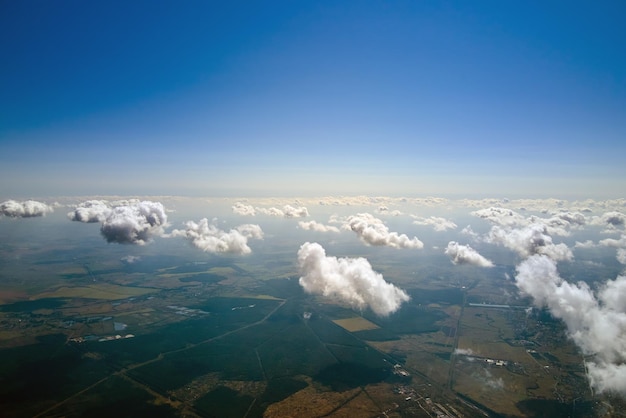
point(384, 210)
point(90, 211)
point(469, 232)
point(612, 220)
point(501, 216)
point(560, 223)
point(529, 240)
point(207, 237)
point(349, 280)
point(136, 223)
point(595, 322)
point(464, 254)
point(616, 243)
point(620, 244)
point(316, 226)
point(243, 209)
point(438, 224)
point(250, 231)
point(372, 231)
point(585, 244)
point(287, 211)
point(25, 209)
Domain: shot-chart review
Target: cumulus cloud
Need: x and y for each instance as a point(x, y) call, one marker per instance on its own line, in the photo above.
point(469, 232)
point(286, 211)
point(595, 322)
point(560, 223)
point(25, 209)
point(572, 218)
point(209, 238)
point(584, 244)
point(616, 243)
point(316, 226)
point(90, 211)
point(612, 221)
point(620, 244)
point(243, 209)
point(373, 231)
point(501, 216)
point(464, 254)
point(529, 240)
point(349, 280)
point(135, 223)
point(438, 224)
point(384, 210)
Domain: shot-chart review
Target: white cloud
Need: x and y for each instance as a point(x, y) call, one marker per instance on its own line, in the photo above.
point(287, 211)
point(25, 209)
point(316, 226)
point(250, 231)
point(561, 223)
point(611, 242)
point(384, 210)
point(207, 237)
point(464, 254)
point(595, 322)
point(243, 209)
point(438, 224)
point(620, 244)
point(136, 223)
point(585, 244)
point(372, 231)
point(612, 220)
point(501, 216)
point(90, 211)
point(463, 352)
point(469, 232)
point(529, 240)
point(349, 280)
point(130, 259)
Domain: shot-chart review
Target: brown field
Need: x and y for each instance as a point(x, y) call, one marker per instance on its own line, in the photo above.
point(310, 402)
point(355, 324)
point(8, 296)
point(96, 291)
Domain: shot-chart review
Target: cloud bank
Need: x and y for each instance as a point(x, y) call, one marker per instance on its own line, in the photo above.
point(209, 238)
point(25, 209)
point(373, 231)
point(595, 322)
point(349, 280)
point(135, 223)
point(464, 254)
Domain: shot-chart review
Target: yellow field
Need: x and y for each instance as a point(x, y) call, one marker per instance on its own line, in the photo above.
point(355, 324)
point(96, 291)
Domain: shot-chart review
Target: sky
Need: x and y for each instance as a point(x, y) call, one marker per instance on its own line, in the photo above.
point(399, 98)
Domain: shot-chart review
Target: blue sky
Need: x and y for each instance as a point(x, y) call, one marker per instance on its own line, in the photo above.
point(313, 98)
